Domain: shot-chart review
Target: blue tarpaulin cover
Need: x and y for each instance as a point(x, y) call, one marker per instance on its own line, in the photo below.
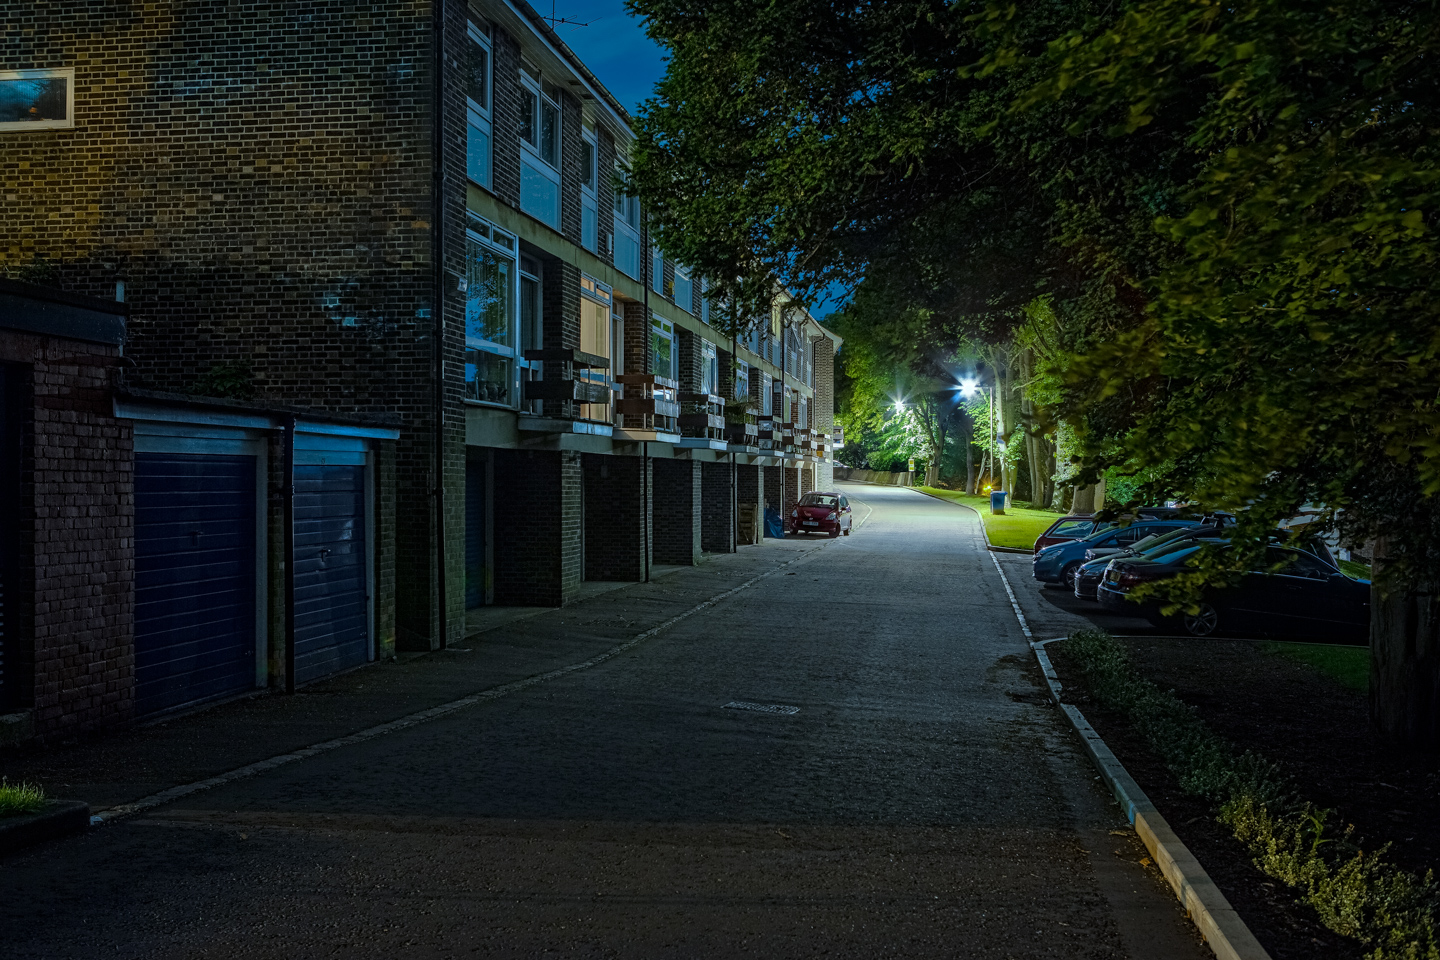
point(774, 526)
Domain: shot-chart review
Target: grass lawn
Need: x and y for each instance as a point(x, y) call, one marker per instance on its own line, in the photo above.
point(1350, 666)
point(1355, 570)
point(1017, 528)
point(20, 798)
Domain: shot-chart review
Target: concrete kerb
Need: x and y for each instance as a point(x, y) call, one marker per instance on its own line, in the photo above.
point(1223, 929)
point(988, 545)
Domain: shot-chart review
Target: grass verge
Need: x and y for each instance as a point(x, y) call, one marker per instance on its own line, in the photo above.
point(1348, 666)
point(1395, 914)
point(1017, 528)
point(18, 799)
point(1354, 569)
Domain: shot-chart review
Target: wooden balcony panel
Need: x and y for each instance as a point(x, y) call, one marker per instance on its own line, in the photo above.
point(647, 406)
point(707, 421)
point(568, 355)
point(582, 391)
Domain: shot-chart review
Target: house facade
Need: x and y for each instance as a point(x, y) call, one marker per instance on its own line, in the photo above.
point(391, 325)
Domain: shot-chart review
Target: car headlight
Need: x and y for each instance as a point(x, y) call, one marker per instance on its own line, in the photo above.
point(832, 515)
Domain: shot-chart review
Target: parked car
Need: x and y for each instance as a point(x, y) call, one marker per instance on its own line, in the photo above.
point(1298, 592)
point(1058, 563)
point(1076, 527)
point(818, 512)
point(1097, 559)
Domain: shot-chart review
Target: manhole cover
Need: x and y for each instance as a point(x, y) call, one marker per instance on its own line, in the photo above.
point(760, 707)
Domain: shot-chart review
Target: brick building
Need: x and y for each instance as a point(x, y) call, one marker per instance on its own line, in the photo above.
point(375, 256)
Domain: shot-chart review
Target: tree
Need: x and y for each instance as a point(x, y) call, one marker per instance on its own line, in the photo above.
point(1228, 206)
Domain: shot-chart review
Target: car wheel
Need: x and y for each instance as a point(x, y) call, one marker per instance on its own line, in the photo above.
point(835, 533)
point(1067, 576)
point(1203, 622)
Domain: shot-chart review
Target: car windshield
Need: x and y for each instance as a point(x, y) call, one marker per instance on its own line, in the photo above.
point(818, 500)
point(1073, 528)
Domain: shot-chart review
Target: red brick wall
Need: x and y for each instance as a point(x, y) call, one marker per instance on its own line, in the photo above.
point(77, 497)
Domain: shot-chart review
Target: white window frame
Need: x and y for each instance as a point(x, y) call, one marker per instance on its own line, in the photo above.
point(532, 85)
point(657, 270)
point(589, 202)
point(627, 222)
point(767, 395)
point(709, 368)
point(481, 116)
point(600, 293)
point(665, 329)
point(65, 73)
point(505, 245)
point(686, 303)
point(742, 380)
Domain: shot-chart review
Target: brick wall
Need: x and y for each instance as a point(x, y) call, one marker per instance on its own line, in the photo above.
point(792, 489)
point(538, 532)
point(774, 488)
point(560, 306)
point(505, 156)
point(605, 193)
point(637, 352)
point(749, 486)
point(617, 491)
point(677, 515)
point(570, 172)
point(689, 362)
point(717, 507)
point(76, 538)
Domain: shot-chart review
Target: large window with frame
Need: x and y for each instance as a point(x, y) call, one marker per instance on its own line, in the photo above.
point(662, 348)
point(539, 148)
point(704, 300)
point(478, 92)
point(490, 321)
point(657, 270)
point(37, 99)
point(532, 334)
point(589, 179)
point(767, 396)
point(595, 337)
point(684, 289)
point(627, 225)
point(709, 368)
point(742, 380)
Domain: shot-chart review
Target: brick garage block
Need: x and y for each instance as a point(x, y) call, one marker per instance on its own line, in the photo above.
point(677, 511)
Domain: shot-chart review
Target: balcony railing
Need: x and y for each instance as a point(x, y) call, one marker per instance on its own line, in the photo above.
point(568, 390)
point(650, 400)
point(702, 415)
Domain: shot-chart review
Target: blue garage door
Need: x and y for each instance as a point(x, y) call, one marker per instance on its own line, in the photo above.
point(332, 624)
point(194, 578)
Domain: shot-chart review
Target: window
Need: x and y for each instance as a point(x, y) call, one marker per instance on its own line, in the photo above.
point(662, 348)
point(767, 396)
point(589, 177)
point(532, 334)
point(802, 418)
point(742, 380)
point(595, 337)
point(37, 99)
point(704, 300)
point(684, 289)
point(477, 102)
point(709, 368)
point(657, 270)
point(539, 149)
point(490, 294)
point(627, 226)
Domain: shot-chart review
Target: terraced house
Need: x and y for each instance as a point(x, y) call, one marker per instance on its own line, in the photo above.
point(396, 343)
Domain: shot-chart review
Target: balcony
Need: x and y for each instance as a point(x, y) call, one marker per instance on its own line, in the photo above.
point(741, 428)
point(649, 403)
point(702, 416)
point(567, 391)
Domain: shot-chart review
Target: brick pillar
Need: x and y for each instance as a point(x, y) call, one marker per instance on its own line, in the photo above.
point(774, 493)
point(717, 507)
point(677, 511)
point(792, 489)
point(807, 478)
point(749, 493)
point(637, 353)
point(538, 537)
point(617, 502)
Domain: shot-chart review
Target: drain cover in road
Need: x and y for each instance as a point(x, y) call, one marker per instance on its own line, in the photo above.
point(760, 707)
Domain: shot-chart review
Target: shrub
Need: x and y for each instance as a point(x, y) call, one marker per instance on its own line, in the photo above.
point(1357, 894)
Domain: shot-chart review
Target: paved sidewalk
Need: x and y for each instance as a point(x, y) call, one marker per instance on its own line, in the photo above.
point(514, 643)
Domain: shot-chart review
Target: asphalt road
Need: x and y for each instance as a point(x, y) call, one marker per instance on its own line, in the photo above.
point(923, 800)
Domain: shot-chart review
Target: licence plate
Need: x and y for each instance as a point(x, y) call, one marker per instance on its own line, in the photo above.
point(811, 523)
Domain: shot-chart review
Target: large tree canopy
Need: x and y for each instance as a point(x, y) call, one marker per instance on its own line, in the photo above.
point(1227, 208)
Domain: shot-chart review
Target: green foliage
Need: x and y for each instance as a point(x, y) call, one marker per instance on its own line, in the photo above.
point(235, 381)
point(1394, 913)
point(1348, 666)
point(17, 799)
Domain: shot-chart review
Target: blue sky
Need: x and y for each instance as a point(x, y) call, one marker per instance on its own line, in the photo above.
point(613, 46)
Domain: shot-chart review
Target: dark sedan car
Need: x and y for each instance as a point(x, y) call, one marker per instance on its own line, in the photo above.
point(1092, 571)
point(827, 513)
point(1297, 593)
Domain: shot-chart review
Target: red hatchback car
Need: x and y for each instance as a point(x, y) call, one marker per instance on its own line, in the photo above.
point(819, 512)
point(1075, 527)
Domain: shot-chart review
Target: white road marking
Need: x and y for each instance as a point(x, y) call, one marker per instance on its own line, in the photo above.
point(1014, 604)
point(761, 707)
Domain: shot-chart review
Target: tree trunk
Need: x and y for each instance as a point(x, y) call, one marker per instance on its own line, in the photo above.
point(1404, 663)
point(1089, 499)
